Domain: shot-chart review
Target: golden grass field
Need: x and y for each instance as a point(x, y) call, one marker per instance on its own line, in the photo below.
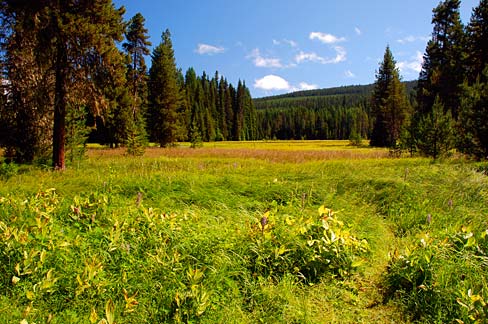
point(272, 151)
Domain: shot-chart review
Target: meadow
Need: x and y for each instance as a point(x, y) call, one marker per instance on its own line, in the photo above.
point(253, 232)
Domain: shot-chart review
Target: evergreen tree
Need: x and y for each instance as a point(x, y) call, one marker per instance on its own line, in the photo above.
point(136, 47)
point(436, 132)
point(477, 42)
point(72, 40)
point(389, 104)
point(26, 114)
point(474, 117)
point(163, 93)
point(442, 71)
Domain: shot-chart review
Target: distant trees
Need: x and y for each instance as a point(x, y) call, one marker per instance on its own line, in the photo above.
point(389, 104)
point(336, 113)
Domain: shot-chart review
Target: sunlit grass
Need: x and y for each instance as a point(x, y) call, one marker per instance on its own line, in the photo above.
point(155, 223)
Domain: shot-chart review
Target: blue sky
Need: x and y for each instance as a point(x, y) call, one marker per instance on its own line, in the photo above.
point(279, 46)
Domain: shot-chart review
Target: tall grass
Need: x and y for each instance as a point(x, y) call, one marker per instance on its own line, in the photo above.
point(177, 236)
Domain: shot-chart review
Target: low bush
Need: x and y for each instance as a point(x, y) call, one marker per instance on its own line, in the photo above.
point(442, 279)
point(308, 247)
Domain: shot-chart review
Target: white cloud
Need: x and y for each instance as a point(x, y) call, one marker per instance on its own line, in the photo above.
point(358, 31)
point(326, 38)
point(276, 83)
point(272, 82)
point(411, 39)
point(341, 55)
point(209, 49)
point(261, 61)
point(313, 57)
point(412, 66)
point(349, 74)
point(290, 42)
point(285, 41)
point(306, 86)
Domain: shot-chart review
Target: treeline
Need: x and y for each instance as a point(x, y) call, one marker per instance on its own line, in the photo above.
point(335, 113)
point(74, 71)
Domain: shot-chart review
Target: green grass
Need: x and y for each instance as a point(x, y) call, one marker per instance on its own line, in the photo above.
point(176, 236)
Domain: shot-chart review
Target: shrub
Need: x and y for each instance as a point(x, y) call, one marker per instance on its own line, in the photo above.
point(8, 170)
point(308, 247)
point(442, 280)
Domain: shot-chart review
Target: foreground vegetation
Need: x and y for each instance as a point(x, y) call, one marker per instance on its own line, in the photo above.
point(280, 232)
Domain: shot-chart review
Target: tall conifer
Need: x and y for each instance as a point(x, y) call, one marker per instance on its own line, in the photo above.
point(389, 104)
point(163, 93)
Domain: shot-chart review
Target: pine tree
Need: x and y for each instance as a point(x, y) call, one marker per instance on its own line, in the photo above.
point(473, 117)
point(163, 93)
point(64, 33)
point(436, 131)
point(442, 71)
point(477, 42)
point(389, 104)
point(136, 47)
point(27, 112)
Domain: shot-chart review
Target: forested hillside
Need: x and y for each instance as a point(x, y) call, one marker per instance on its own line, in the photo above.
point(333, 113)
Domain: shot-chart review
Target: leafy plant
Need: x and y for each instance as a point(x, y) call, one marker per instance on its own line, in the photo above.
point(308, 247)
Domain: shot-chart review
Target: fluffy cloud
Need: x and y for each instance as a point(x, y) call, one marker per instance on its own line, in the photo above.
point(411, 39)
point(341, 55)
point(261, 61)
point(209, 49)
point(312, 57)
point(306, 86)
point(412, 66)
point(276, 83)
point(272, 82)
point(326, 38)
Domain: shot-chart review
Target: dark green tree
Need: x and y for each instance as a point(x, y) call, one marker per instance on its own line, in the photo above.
point(136, 47)
point(26, 114)
point(71, 40)
point(474, 117)
point(442, 71)
point(163, 93)
point(389, 104)
point(477, 43)
point(436, 132)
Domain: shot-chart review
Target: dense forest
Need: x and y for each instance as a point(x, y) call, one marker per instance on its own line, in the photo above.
point(75, 71)
point(334, 113)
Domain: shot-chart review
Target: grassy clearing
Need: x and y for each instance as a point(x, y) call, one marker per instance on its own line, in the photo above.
point(177, 236)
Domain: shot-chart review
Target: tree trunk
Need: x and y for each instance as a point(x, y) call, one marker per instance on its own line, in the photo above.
point(60, 103)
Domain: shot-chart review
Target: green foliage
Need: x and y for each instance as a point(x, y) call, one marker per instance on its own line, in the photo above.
point(76, 134)
point(472, 118)
point(389, 104)
point(178, 236)
point(306, 247)
point(442, 279)
point(136, 139)
point(163, 93)
point(436, 132)
point(8, 170)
